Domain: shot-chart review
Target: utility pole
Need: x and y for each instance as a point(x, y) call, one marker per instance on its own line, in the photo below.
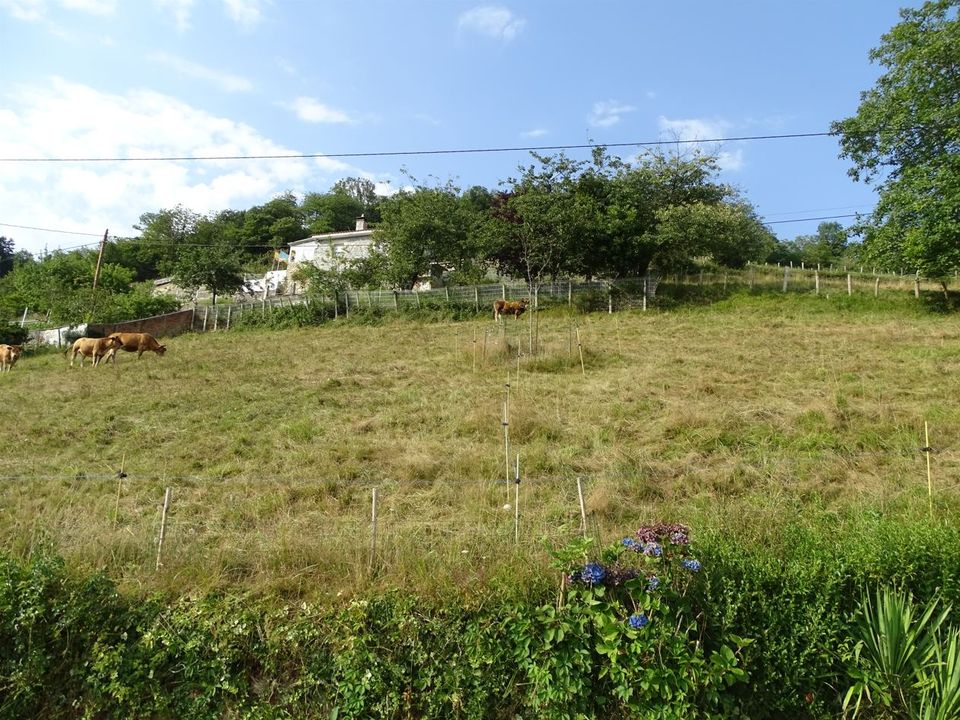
point(96, 273)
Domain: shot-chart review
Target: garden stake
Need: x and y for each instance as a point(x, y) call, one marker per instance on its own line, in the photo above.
point(120, 476)
point(163, 526)
point(506, 447)
point(373, 530)
point(583, 370)
point(583, 509)
point(926, 451)
point(516, 504)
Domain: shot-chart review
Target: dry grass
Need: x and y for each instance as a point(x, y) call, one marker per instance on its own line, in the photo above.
point(272, 441)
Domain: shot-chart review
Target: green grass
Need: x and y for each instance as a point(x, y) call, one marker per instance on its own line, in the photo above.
point(272, 441)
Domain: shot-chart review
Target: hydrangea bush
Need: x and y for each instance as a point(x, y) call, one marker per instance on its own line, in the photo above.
point(625, 628)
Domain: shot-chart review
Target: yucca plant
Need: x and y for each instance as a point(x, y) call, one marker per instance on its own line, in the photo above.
point(895, 643)
point(940, 684)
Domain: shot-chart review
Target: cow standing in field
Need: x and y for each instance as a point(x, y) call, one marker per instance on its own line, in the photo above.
point(136, 342)
point(9, 354)
point(95, 348)
point(508, 307)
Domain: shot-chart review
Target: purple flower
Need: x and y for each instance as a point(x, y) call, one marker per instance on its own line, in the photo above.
point(638, 621)
point(679, 538)
point(692, 565)
point(653, 549)
point(631, 544)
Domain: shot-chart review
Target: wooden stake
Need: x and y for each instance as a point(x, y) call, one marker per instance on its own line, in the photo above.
point(816, 281)
point(516, 503)
point(484, 355)
point(926, 451)
point(474, 349)
point(583, 509)
point(583, 370)
point(506, 448)
point(120, 476)
point(229, 314)
point(373, 530)
point(849, 285)
point(876, 287)
point(619, 344)
point(163, 526)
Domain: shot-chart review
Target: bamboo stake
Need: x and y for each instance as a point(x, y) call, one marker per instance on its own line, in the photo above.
point(506, 447)
point(583, 370)
point(516, 503)
point(373, 530)
point(163, 526)
point(474, 349)
point(583, 509)
point(120, 476)
point(926, 451)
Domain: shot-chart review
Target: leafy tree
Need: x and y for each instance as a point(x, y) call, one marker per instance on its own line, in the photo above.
point(162, 233)
point(364, 191)
point(904, 140)
point(641, 196)
point(331, 212)
point(727, 233)
point(6, 255)
point(426, 231)
point(826, 247)
point(273, 224)
point(540, 223)
point(210, 262)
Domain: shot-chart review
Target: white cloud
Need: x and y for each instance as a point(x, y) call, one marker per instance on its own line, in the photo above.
point(535, 133)
point(608, 113)
point(245, 13)
point(694, 131)
point(312, 110)
point(226, 81)
point(63, 119)
point(494, 21)
point(94, 7)
point(180, 9)
point(32, 10)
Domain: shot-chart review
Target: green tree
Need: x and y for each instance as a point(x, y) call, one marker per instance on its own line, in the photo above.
point(209, 262)
point(6, 255)
point(331, 212)
point(903, 139)
point(542, 225)
point(726, 233)
point(273, 224)
point(828, 246)
point(162, 233)
point(426, 231)
point(364, 191)
point(642, 195)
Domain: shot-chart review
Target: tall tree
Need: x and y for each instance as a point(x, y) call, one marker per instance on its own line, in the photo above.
point(331, 212)
point(209, 261)
point(6, 255)
point(904, 140)
point(425, 231)
point(364, 191)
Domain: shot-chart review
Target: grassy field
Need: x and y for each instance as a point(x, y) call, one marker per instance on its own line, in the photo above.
point(731, 415)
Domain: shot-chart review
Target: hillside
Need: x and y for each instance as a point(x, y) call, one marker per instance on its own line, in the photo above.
point(272, 441)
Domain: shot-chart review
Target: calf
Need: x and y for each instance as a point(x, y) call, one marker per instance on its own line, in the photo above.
point(507, 307)
point(136, 342)
point(9, 354)
point(95, 348)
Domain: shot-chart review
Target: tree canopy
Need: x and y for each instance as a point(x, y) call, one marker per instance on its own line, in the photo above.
point(904, 139)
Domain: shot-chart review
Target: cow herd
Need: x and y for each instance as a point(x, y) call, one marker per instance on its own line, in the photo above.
point(100, 349)
point(97, 349)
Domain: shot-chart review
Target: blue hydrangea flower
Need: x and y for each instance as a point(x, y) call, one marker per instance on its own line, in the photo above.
point(631, 544)
point(593, 573)
point(653, 549)
point(653, 582)
point(638, 621)
point(692, 565)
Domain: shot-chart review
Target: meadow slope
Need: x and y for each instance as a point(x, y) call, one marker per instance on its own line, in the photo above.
point(272, 441)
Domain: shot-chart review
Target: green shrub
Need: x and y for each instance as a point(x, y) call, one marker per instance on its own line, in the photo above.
point(12, 334)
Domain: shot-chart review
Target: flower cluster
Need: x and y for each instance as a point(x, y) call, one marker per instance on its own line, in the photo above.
point(692, 565)
point(673, 533)
point(637, 621)
point(590, 574)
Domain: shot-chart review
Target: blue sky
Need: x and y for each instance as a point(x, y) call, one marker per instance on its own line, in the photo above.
point(174, 78)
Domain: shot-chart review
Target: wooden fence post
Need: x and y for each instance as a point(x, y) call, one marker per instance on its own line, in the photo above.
point(816, 281)
point(583, 509)
point(229, 314)
point(206, 312)
point(849, 285)
point(786, 277)
point(373, 531)
point(476, 298)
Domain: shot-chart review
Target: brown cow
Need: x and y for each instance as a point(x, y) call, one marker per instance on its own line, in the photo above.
point(9, 354)
point(136, 342)
point(507, 307)
point(96, 348)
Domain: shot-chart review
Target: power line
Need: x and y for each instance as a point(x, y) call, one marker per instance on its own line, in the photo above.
point(796, 220)
point(409, 153)
point(41, 229)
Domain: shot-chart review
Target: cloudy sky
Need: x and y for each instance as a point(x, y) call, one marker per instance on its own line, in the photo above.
point(354, 78)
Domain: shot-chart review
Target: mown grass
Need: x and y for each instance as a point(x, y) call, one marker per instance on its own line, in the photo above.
point(729, 415)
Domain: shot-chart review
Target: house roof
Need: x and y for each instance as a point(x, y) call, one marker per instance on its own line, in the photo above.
point(324, 237)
